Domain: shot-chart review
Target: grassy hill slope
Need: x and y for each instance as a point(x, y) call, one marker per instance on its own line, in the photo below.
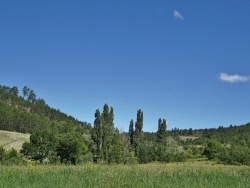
point(14, 140)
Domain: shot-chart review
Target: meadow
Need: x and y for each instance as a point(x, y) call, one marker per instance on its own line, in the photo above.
point(9, 140)
point(197, 174)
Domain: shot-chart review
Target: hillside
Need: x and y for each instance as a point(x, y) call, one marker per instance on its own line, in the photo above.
point(14, 140)
point(54, 134)
point(26, 113)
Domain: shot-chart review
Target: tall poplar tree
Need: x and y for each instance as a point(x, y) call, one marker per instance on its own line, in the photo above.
point(103, 133)
point(162, 129)
point(97, 135)
point(131, 131)
point(138, 129)
point(108, 130)
point(139, 123)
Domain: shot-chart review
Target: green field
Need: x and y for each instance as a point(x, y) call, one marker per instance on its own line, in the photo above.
point(198, 173)
point(14, 140)
point(188, 175)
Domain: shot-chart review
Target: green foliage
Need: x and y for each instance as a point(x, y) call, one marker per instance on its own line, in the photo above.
point(225, 135)
point(162, 154)
point(70, 148)
point(42, 145)
point(12, 154)
point(13, 91)
point(235, 155)
point(130, 158)
point(139, 123)
point(102, 135)
point(212, 149)
point(162, 127)
point(10, 157)
point(55, 135)
point(170, 151)
point(131, 132)
point(32, 96)
point(26, 91)
point(28, 114)
point(97, 136)
point(108, 129)
point(138, 142)
point(2, 154)
point(116, 150)
point(143, 153)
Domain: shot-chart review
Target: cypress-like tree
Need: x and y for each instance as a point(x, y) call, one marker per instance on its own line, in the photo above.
point(162, 127)
point(108, 130)
point(138, 129)
point(131, 131)
point(97, 135)
point(139, 123)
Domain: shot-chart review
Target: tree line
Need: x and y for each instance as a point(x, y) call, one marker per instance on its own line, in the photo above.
point(59, 138)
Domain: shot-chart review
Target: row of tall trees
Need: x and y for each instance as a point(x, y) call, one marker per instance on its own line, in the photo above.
point(147, 148)
point(108, 142)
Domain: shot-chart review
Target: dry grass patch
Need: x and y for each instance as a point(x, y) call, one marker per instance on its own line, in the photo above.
point(14, 140)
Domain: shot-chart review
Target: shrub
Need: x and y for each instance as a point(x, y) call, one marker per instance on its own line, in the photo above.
point(12, 157)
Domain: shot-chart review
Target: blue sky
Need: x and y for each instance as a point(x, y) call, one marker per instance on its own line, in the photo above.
point(185, 61)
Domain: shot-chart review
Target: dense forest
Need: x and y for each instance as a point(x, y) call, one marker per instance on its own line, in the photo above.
point(59, 138)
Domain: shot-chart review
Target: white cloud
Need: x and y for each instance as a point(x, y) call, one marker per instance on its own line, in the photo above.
point(233, 78)
point(178, 15)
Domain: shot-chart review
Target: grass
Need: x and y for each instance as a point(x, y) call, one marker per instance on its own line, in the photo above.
point(183, 175)
point(189, 174)
point(184, 138)
point(13, 140)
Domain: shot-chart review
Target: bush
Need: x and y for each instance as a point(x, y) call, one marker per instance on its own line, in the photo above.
point(2, 153)
point(212, 149)
point(236, 155)
point(11, 157)
point(86, 158)
point(130, 158)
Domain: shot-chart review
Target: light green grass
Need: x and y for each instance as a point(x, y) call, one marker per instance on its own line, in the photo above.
point(14, 140)
point(150, 175)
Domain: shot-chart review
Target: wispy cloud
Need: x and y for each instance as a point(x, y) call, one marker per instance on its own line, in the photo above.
point(178, 15)
point(233, 78)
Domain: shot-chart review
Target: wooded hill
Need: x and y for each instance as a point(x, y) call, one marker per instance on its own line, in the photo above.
point(59, 138)
point(26, 113)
